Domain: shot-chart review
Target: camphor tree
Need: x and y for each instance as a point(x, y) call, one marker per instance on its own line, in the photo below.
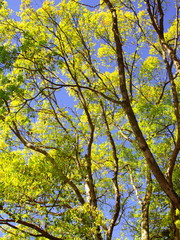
point(89, 120)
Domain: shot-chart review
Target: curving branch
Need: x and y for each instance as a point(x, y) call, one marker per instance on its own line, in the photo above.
point(13, 219)
point(131, 116)
point(115, 177)
point(158, 26)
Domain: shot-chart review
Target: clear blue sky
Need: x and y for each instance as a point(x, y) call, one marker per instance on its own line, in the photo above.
point(14, 4)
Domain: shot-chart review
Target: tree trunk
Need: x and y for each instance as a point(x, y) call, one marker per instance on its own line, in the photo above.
point(176, 232)
point(145, 222)
point(145, 207)
point(153, 165)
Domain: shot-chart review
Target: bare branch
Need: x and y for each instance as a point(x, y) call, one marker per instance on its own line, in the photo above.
point(115, 177)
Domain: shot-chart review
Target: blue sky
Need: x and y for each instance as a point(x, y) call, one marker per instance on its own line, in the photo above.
point(14, 4)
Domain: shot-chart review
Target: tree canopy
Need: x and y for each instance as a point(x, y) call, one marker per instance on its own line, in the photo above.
point(90, 120)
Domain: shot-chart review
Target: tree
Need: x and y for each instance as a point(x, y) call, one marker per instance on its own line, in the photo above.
point(90, 122)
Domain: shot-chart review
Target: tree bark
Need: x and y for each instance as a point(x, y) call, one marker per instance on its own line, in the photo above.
point(145, 207)
point(131, 116)
point(176, 232)
point(145, 222)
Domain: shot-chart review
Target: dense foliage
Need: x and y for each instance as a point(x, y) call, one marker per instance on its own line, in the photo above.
point(90, 120)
